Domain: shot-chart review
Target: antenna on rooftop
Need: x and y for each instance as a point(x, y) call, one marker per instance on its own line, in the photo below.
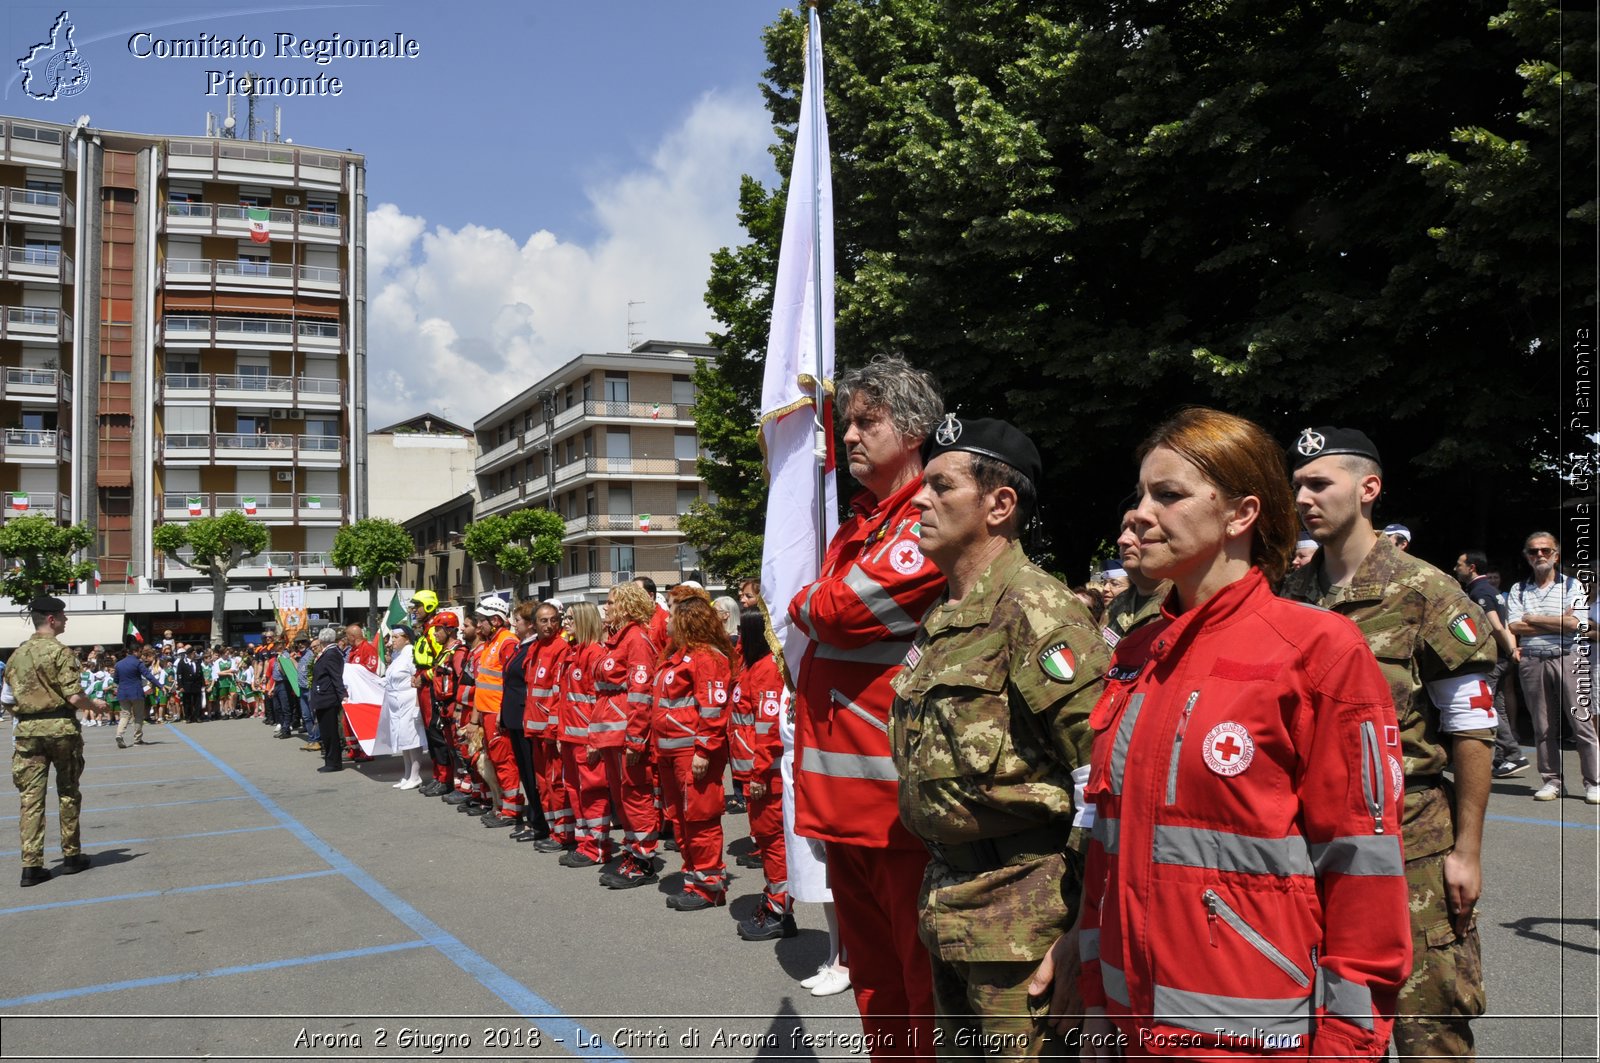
point(633, 324)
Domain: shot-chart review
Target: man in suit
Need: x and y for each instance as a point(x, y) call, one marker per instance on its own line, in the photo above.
point(328, 694)
point(190, 681)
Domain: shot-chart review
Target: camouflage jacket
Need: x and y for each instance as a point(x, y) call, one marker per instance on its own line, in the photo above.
point(1410, 613)
point(1130, 609)
point(43, 675)
point(990, 718)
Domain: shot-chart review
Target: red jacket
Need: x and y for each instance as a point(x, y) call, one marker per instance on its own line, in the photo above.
point(545, 665)
point(658, 626)
point(753, 732)
point(578, 692)
point(1245, 872)
point(860, 617)
point(622, 690)
point(689, 703)
point(445, 677)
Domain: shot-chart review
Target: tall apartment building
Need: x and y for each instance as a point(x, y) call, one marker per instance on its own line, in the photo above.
point(184, 334)
point(607, 441)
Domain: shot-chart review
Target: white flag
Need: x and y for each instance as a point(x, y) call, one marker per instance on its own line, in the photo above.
point(799, 356)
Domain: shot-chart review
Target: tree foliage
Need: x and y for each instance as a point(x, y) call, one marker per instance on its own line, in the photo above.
point(38, 556)
point(373, 549)
point(217, 544)
point(1082, 217)
point(516, 542)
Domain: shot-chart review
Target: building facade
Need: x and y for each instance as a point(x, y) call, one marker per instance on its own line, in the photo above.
point(417, 464)
point(184, 334)
point(440, 563)
point(608, 442)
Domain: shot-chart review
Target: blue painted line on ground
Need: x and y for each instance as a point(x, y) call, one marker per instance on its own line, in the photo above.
point(148, 782)
point(518, 997)
point(158, 804)
point(1563, 824)
point(176, 890)
point(215, 972)
point(100, 843)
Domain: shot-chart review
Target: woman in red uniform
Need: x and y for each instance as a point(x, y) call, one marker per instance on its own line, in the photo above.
point(581, 771)
point(689, 731)
point(1244, 894)
point(756, 747)
point(620, 731)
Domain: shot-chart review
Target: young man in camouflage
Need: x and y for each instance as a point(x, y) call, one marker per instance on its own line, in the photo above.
point(1141, 602)
point(44, 679)
point(1435, 648)
point(989, 730)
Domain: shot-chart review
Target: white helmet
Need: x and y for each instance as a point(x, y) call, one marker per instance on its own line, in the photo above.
point(495, 607)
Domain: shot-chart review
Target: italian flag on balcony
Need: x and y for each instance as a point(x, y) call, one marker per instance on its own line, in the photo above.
point(644, 522)
point(249, 504)
point(196, 503)
point(259, 232)
point(19, 501)
point(655, 411)
point(313, 501)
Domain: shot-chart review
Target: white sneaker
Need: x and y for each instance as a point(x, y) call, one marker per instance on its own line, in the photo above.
point(834, 980)
point(807, 983)
point(1591, 795)
point(1550, 791)
point(410, 784)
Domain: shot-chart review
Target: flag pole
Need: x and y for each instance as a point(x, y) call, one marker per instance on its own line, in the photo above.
point(814, 56)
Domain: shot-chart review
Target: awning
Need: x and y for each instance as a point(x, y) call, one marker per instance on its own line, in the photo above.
point(83, 629)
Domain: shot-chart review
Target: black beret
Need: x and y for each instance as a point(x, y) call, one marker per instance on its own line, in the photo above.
point(46, 604)
point(993, 439)
point(1314, 443)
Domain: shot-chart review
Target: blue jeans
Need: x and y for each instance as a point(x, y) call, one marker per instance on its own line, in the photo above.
point(310, 718)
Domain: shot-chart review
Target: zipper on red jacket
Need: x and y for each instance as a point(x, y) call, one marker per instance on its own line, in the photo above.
point(1177, 747)
point(1217, 908)
point(1371, 774)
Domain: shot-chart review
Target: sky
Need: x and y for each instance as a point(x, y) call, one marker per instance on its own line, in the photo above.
point(533, 170)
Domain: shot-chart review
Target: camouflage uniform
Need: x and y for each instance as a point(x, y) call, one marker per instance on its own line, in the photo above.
point(43, 674)
point(1405, 608)
point(985, 738)
point(1130, 610)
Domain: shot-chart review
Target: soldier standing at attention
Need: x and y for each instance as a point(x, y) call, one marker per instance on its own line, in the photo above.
point(1435, 649)
point(1141, 602)
point(989, 728)
point(43, 675)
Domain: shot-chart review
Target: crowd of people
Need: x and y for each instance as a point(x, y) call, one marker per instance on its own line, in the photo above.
point(1227, 798)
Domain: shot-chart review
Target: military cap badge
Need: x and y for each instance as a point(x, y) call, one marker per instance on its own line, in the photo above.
point(1311, 442)
point(948, 432)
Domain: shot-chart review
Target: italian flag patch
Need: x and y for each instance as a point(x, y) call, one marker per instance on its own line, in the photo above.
point(1464, 630)
point(1058, 662)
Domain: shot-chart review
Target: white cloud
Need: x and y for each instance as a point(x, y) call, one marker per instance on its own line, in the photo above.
point(461, 320)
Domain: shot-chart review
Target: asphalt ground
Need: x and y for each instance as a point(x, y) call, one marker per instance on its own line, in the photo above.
point(242, 906)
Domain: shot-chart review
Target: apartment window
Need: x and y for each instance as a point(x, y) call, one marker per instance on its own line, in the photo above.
point(589, 507)
point(588, 389)
point(572, 561)
point(111, 375)
point(500, 435)
point(685, 446)
point(255, 199)
point(119, 195)
point(253, 422)
point(527, 421)
point(322, 426)
point(621, 559)
point(321, 206)
point(594, 559)
point(566, 398)
point(616, 387)
point(116, 501)
point(687, 497)
point(682, 391)
point(619, 499)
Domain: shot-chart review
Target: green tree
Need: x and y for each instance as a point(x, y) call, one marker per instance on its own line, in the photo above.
point(38, 556)
point(1080, 217)
point(217, 545)
point(516, 543)
point(374, 549)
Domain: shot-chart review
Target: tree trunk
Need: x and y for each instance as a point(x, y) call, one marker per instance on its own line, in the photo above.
point(219, 596)
point(372, 607)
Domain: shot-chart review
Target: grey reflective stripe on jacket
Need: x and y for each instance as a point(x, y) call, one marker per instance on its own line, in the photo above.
point(879, 602)
point(848, 765)
point(1225, 851)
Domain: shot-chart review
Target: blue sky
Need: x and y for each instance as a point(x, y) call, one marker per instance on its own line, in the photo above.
point(536, 167)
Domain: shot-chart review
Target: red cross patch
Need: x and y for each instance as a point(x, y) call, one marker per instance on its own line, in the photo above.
point(905, 557)
point(1228, 749)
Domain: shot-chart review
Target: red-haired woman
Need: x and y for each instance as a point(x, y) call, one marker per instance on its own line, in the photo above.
point(1244, 890)
point(689, 730)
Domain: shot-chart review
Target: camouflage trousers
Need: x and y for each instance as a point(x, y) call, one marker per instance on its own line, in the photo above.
point(983, 1013)
point(1445, 990)
point(31, 760)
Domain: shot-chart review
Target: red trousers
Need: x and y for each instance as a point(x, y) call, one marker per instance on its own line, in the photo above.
point(504, 761)
point(467, 779)
point(590, 800)
point(695, 808)
point(633, 801)
point(553, 799)
point(875, 892)
point(766, 826)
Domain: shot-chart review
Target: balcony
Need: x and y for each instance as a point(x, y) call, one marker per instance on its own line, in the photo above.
point(35, 324)
point(630, 468)
point(37, 446)
point(37, 264)
point(276, 449)
point(31, 504)
point(35, 144)
point(320, 393)
point(626, 523)
point(599, 581)
point(247, 275)
point(222, 219)
point(51, 385)
point(30, 205)
point(271, 507)
point(198, 332)
point(270, 564)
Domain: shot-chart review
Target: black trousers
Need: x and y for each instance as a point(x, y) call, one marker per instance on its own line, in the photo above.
point(285, 707)
point(438, 741)
point(191, 704)
point(330, 722)
point(522, 749)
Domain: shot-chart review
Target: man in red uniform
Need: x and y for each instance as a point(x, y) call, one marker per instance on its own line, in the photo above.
point(658, 621)
point(542, 722)
point(860, 616)
point(500, 645)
